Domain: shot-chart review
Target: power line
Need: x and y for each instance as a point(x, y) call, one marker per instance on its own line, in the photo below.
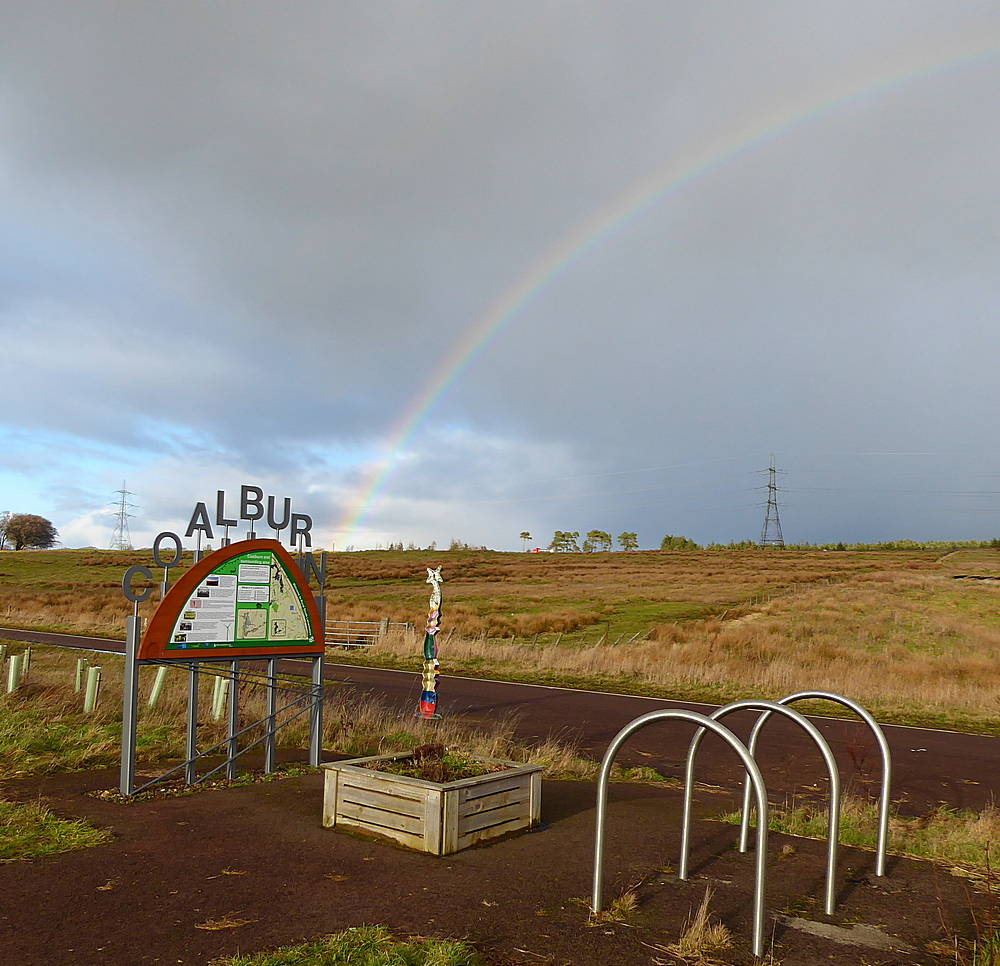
point(121, 539)
point(770, 534)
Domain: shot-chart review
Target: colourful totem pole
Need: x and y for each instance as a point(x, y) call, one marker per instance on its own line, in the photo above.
point(428, 694)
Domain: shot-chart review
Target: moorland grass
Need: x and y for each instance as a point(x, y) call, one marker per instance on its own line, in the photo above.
point(892, 630)
point(961, 839)
point(913, 647)
point(574, 597)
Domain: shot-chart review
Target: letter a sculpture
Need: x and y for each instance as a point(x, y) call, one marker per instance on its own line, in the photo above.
point(428, 696)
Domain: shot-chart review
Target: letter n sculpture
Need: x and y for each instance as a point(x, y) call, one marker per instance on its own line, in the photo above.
point(428, 693)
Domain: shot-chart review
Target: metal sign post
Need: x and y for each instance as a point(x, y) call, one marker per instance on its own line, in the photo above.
point(191, 747)
point(130, 700)
point(269, 743)
point(316, 715)
point(234, 720)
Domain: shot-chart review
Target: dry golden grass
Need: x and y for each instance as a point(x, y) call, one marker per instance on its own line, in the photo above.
point(618, 909)
point(486, 593)
point(910, 646)
point(701, 938)
point(893, 630)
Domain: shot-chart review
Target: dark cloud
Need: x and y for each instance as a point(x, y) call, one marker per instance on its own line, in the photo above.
point(242, 238)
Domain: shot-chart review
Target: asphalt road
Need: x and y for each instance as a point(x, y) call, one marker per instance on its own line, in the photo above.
point(929, 767)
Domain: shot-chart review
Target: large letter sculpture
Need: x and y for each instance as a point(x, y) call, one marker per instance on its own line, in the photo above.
point(428, 695)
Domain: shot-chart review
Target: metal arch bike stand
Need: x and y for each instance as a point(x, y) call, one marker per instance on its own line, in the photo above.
point(756, 780)
point(833, 826)
point(884, 796)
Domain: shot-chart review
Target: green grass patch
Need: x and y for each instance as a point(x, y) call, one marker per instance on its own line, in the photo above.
point(36, 741)
point(364, 946)
point(31, 830)
point(964, 839)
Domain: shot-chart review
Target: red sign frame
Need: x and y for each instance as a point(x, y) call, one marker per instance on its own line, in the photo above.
point(161, 625)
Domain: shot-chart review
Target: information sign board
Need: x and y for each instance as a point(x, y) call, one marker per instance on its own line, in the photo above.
point(246, 600)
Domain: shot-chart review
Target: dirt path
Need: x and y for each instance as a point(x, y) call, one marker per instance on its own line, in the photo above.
point(258, 853)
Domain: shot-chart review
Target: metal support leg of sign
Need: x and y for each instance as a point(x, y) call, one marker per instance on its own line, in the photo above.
point(316, 715)
point(269, 743)
point(130, 700)
point(191, 765)
point(234, 716)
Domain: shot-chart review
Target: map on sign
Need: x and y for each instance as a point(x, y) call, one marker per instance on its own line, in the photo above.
point(249, 600)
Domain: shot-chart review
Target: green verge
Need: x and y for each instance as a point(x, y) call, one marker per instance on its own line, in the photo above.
point(965, 840)
point(43, 740)
point(31, 830)
point(363, 946)
point(717, 695)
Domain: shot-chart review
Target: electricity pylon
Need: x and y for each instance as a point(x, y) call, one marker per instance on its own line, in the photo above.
point(770, 533)
point(121, 539)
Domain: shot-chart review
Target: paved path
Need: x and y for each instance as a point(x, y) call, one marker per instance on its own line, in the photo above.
point(929, 767)
point(258, 855)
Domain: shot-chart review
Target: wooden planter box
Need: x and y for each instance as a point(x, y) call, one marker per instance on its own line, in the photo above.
point(431, 816)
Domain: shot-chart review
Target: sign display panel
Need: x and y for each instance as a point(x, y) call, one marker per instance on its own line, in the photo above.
point(248, 599)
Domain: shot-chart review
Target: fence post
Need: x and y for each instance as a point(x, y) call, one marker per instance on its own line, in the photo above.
point(383, 627)
point(27, 662)
point(13, 673)
point(154, 694)
point(3, 653)
point(93, 684)
point(81, 663)
point(219, 697)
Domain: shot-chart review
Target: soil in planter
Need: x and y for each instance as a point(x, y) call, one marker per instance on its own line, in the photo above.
point(434, 763)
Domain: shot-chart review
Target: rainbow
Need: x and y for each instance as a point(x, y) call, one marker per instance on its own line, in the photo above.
point(598, 225)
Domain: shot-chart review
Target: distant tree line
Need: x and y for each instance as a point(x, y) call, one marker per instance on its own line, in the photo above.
point(883, 545)
point(670, 542)
point(902, 545)
point(566, 541)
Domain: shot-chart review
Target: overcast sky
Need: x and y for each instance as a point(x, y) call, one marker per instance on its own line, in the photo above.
point(242, 242)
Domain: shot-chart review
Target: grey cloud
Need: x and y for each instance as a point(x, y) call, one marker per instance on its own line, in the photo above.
point(247, 236)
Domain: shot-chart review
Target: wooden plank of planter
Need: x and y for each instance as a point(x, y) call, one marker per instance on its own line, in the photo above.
point(469, 806)
point(382, 799)
point(433, 810)
point(536, 798)
point(397, 835)
point(380, 780)
point(414, 824)
point(329, 797)
point(449, 823)
point(495, 816)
